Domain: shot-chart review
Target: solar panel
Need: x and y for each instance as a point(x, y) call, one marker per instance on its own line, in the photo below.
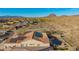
point(56, 42)
point(38, 34)
point(53, 40)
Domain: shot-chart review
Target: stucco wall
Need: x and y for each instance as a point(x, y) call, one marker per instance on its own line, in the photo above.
point(35, 43)
point(28, 43)
point(9, 45)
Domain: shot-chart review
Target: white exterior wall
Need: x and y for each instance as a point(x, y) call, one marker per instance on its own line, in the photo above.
point(28, 43)
point(8, 45)
point(35, 43)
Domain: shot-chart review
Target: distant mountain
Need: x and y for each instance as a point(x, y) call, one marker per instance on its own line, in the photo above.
point(74, 15)
point(51, 15)
point(64, 15)
point(11, 17)
point(69, 15)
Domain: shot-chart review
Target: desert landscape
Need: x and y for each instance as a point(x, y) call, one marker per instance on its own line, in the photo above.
point(48, 33)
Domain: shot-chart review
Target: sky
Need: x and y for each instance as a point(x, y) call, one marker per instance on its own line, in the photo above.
point(38, 12)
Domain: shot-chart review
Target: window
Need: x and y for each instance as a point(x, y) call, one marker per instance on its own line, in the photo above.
point(38, 44)
point(26, 44)
point(30, 44)
point(22, 45)
point(5, 47)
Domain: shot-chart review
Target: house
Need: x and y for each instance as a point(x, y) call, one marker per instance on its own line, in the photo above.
point(3, 20)
point(54, 41)
point(32, 40)
point(21, 24)
point(37, 39)
point(5, 35)
point(2, 31)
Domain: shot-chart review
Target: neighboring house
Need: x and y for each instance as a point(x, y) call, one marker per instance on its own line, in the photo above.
point(3, 31)
point(3, 21)
point(21, 24)
point(32, 40)
point(5, 35)
point(54, 41)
